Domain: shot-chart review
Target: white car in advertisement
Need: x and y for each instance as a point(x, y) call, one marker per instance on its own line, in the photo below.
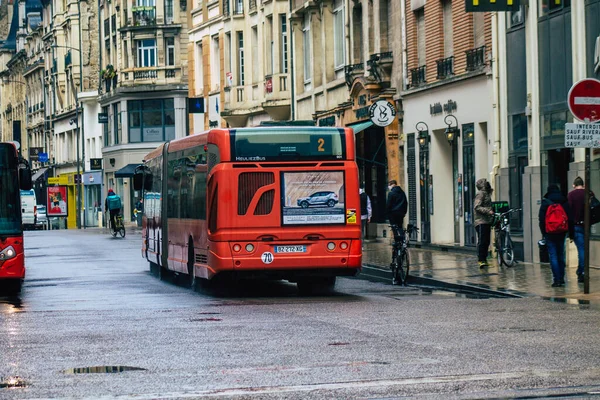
point(327, 198)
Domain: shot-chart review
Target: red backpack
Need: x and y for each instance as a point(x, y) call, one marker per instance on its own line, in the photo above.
point(556, 219)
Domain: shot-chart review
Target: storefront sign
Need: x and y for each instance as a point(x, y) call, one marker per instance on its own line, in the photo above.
point(327, 121)
point(492, 5)
point(95, 164)
point(382, 113)
point(103, 118)
point(450, 107)
point(34, 153)
point(435, 109)
point(362, 112)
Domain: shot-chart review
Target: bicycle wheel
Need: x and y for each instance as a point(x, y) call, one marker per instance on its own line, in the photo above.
point(395, 266)
point(404, 267)
point(508, 254)
point(498, 245)
point(122, 231)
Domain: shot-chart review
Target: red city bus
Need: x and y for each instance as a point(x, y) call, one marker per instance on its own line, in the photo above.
point(15, 175)
point(264, 202)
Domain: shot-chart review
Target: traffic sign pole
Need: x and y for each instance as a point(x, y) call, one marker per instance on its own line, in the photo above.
point(584, 103)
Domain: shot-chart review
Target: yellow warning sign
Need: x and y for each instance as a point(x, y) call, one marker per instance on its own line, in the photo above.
point(351, 216)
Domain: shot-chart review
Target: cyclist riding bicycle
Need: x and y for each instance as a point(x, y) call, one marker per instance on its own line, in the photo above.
point(396, 208)
point(113, 205)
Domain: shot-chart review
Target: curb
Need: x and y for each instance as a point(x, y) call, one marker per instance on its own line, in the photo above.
point(376, 272)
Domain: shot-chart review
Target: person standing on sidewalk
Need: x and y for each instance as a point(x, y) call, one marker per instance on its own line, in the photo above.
point(365, 210)
point(484, 218)
point(577, 203)
point(555, 221)
point(396, 207)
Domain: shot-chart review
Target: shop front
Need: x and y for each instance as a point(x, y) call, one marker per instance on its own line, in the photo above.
point(447, 151)
point(92, 183)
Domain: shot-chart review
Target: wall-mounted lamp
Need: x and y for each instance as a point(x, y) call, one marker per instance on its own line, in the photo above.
point(452, 132)
point(423, 133)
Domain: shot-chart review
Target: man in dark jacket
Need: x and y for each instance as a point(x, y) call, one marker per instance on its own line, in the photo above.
point(577, 203)
point(556, 241)
point(396, 207)
point(484, 218)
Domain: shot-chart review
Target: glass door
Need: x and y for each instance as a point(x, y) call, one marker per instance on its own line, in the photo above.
point(469, 190)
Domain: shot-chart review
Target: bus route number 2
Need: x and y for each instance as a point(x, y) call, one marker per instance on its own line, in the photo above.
point(267, 257)
point(321, 142)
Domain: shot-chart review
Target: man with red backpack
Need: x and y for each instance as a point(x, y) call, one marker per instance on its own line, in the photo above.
point(555, 222)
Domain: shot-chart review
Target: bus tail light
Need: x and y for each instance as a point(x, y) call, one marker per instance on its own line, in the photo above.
point(343, 245)
point(330, 246)
point(249, 247)
point(8, 253)
point(237, 247)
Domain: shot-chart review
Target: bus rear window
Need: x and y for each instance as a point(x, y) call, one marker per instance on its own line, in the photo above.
point(291, 144)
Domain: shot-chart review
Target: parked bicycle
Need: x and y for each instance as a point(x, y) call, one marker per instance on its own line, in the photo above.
point(400, 259)
point(119, 227)
point(503, 244)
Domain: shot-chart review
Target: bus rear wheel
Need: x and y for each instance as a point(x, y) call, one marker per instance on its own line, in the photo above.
point(316, 286)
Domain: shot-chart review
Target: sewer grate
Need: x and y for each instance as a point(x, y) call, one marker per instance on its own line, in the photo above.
point(107, 369)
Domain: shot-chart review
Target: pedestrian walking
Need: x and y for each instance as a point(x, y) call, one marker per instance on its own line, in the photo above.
point(576, 200)
point(365, 210)
point(556, 221)
point(484, 218)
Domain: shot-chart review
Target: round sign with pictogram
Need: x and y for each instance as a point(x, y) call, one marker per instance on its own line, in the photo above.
point(584, 100)
point(382, 113)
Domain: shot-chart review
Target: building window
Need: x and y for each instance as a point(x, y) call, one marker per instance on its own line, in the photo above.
point(151, 120)
point(239, 7)
point(518, 132)
point(216, 63)
point(284, 44)
point(105, 127)
point(146, 53)
point(420, 24)
point(241, 78)
point(254, 44)
point(198, 69)
point(170, 51)
point(117, 122)
point(515, 18)
point(448, 33)
point(339, 41)
point(169, 11)
point(548, 6)
point(306, 47)
point(478, 30)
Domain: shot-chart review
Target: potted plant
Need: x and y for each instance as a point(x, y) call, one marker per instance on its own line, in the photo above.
point(109, 75)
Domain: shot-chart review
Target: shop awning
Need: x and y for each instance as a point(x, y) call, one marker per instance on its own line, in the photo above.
point(361, 126)
point(38, 174)
point(127, 171)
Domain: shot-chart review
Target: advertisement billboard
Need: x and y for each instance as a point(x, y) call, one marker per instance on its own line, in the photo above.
point(313, 198)
point(57, 201)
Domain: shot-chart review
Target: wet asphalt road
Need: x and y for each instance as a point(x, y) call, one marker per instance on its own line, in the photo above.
point(90, 301)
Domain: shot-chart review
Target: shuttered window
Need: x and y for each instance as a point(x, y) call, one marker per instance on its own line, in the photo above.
point(478, 29)
point(420, 22)
point(448, 33)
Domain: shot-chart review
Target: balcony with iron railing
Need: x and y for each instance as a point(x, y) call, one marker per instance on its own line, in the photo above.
point(156, 75)
point(475, 58)
point(445, 67)
point(380, 65)
point(352, 71)
point(418, 76)
point(144, 15)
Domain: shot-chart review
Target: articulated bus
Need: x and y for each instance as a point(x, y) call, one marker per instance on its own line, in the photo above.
point(265, 202)
point(14, 175)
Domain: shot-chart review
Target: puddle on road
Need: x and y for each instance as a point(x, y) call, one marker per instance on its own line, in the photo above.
point(108, 369)
point(205, 319)
point(583, 304)
point(12, 382)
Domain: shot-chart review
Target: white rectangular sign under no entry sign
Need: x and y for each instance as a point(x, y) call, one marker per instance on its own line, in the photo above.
point(582, 135)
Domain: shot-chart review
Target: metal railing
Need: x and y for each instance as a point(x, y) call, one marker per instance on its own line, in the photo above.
point(144, 15)
point(417, 76)
point(475, 58)
point(445, 67)
point(170, 73)
point(353, 69)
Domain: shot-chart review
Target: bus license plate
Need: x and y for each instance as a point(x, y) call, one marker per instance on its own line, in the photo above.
point(290, 249)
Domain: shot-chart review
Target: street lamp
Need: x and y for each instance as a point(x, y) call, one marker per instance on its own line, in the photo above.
point(81, 134)
point(451, 132)
point(423, 133)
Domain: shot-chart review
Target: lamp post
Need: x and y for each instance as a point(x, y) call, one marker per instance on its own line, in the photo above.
point(451, 132)
point(423, 133)
point(80, 132)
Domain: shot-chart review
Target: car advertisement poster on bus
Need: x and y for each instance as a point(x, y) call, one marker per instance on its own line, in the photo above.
point(313, 198)
point(57, 201)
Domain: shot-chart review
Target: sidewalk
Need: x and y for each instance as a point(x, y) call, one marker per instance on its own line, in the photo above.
point(453, 268)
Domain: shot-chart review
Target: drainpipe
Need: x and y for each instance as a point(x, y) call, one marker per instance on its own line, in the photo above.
point(496, 97)
point(292, 72)
point(100, 50)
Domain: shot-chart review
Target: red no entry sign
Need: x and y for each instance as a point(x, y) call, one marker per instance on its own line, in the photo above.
point(584, 100)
